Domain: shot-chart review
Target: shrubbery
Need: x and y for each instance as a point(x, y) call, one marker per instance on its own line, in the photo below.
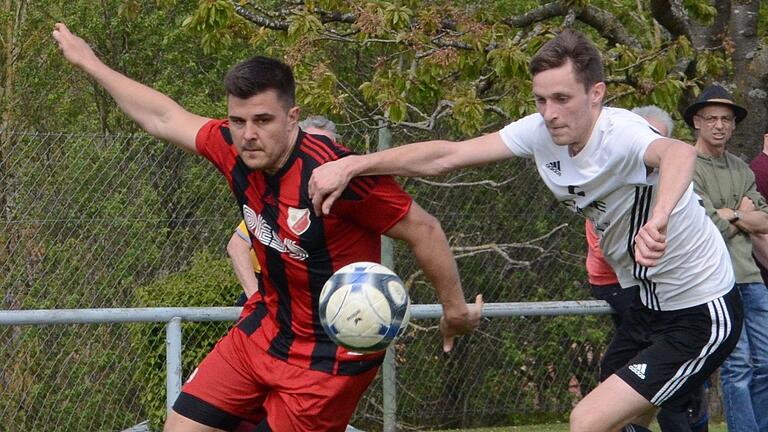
point(209, 281)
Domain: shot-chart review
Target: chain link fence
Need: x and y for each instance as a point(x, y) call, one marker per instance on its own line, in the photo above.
point(122, 220)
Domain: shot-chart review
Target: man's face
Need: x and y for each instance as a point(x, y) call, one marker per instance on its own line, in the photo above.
point(262, 129)
point(568, 109)
point(715, 124)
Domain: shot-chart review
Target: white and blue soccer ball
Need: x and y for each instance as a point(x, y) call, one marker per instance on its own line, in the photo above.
point(364, 307)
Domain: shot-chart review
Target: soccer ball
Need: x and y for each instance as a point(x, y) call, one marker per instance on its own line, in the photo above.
point(364, 307)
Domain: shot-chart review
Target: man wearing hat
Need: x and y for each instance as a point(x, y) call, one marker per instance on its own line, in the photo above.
point(726, 186)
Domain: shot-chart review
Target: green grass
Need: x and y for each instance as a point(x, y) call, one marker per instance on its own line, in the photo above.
point(563, 427)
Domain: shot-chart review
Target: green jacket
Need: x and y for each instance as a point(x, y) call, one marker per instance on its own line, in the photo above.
point(722, 183)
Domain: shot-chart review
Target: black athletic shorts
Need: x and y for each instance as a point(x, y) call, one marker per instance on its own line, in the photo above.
point(665, 355)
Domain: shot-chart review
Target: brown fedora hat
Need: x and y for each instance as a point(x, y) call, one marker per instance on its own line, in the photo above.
point(713, 95)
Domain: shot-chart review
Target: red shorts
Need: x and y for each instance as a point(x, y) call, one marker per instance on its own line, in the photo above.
point(230, 388)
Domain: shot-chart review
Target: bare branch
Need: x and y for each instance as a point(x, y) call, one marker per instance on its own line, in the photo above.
point(443, 107)
point(549, 10)
point(608, 25)
point(644, 59)
point(488, 183)
point(604, 22)
point(497, 110)
point(617, 96)
point(500, 249)
point(672, 16)
point(258, 20)
point(335, 16)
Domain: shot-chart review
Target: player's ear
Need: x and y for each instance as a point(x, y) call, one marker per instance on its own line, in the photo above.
point(293, 115)
point(597, 93)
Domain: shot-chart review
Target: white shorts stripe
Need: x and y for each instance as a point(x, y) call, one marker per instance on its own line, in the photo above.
point(719, 331)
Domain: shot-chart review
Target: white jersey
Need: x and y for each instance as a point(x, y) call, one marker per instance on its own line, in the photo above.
point(609, 183)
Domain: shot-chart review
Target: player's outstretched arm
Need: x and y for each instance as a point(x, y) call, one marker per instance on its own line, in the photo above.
point(429, 245)
point(676, 161)
point(427, 158)
point(156, 113)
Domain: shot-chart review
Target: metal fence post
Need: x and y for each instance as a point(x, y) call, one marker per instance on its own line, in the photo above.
point(388, 376)
point(389, 390)
point(172, 361)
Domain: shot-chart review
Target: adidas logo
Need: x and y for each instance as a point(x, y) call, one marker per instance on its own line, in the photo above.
point(554, 167)
point(638, 369)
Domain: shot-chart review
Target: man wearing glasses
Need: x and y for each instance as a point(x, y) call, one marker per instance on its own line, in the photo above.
point(727, 189)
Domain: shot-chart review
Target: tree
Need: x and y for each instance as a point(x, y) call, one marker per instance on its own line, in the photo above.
point(452, 69)
point(460, 67)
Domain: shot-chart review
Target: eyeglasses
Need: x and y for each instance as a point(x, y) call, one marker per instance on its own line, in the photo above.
point(712, 120)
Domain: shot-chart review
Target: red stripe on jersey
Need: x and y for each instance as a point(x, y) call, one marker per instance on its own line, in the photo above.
point(320, 147)
point(311, 151)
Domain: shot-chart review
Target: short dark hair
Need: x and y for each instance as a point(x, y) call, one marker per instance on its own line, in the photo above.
point(570, 45)
point(259, 74)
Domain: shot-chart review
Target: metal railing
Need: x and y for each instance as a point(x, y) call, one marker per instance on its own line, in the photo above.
point(173, 318)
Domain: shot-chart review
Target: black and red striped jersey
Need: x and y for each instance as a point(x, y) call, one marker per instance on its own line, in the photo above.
point(298, 250)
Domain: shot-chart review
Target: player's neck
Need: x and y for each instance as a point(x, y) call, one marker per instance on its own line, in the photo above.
point(574, 149)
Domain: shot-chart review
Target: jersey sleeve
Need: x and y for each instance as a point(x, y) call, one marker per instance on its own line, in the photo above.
point(214, 143)
point(375, 202)
point(519, 136)
point(242, 232)
point(630, 137)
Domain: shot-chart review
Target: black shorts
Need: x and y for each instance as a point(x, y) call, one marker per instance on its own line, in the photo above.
point(665, 355)
point(620, 299)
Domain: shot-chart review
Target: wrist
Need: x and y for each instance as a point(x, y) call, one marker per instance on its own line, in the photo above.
point(661, 211)
point(455, 309)
point(354, 166)
point(91, 65)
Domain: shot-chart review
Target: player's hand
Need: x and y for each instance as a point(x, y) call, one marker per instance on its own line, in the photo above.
point(651, 242)
point(452, 326)
point(74, 48)
point(327, 183)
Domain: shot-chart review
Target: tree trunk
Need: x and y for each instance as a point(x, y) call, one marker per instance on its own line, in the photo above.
point(749, 64)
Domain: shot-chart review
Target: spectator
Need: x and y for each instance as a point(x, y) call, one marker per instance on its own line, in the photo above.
point(726, 186)
point(759, 166)
point(319, 125)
